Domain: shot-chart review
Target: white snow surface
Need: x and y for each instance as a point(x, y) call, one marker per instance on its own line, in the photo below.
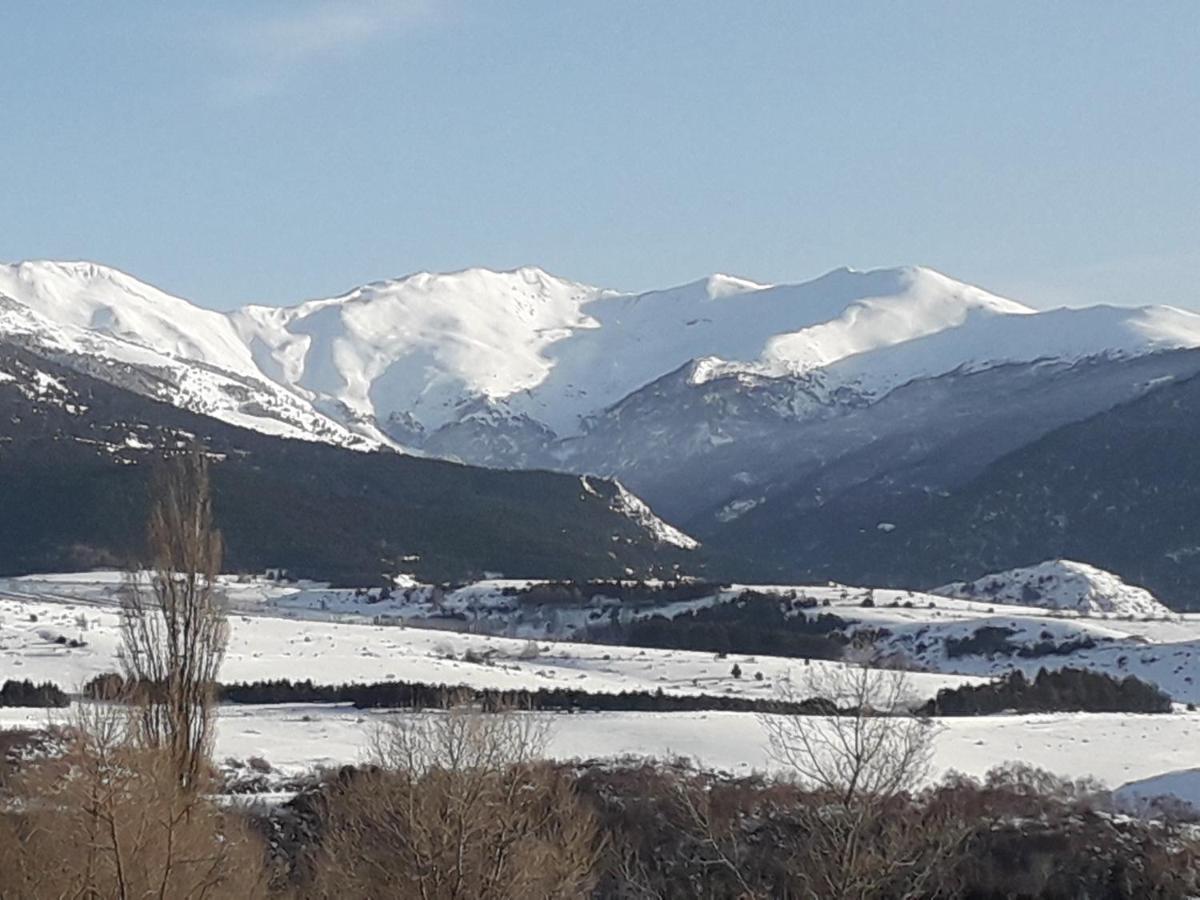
point(61, 318)
point(1113, 748)
point(308, 630)
point(1061, 584)
point(423, 633)
point(429, 349)
point(271, 639)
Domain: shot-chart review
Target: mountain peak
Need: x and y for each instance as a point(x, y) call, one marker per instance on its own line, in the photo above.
point(424, 347)
point(530, 282)
point(721, 285)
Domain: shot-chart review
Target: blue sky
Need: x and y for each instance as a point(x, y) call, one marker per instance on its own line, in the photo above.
point(273, 151)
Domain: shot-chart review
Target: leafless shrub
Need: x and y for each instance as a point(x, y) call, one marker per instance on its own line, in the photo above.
point(457, 805)
point(109, 819)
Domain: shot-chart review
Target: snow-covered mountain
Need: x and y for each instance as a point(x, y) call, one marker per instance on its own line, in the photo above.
point(735, 409)
point(104, 323)
point(1061, 584)
point(539, 357)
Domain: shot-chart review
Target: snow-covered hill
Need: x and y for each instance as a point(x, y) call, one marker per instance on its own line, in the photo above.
point(1061, 584)
point(525, 348)
point(977, 636)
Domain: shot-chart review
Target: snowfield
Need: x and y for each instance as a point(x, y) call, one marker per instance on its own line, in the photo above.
point(309, 631)
point(394, 361)
point(265, 642)
point(1112, 748)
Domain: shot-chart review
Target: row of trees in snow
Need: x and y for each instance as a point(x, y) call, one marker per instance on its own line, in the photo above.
point(26, 693)
point(1057, 690)
point(408, 695)
point(768, 627)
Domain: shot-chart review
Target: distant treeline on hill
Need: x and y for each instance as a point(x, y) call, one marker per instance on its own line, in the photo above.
point(751, 623)
point(1060, 690)
point(995, 640)
point(573, 593)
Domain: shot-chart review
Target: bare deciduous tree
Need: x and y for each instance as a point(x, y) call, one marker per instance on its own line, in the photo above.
point(874, 748)
point(864, 761)
point(457, 805)
point(174, 630)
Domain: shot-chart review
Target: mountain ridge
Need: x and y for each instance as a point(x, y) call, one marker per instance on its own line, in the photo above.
point(76, 453)
point(395, 360)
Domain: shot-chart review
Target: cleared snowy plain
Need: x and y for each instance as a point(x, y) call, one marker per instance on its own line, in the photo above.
point(1113, 748)
point(271, 639)
point(310, 631)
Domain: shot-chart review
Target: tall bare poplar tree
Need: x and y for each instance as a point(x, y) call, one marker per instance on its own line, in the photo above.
point(173, 628)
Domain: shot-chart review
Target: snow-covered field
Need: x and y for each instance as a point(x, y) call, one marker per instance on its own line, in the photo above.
point(1113, 748)
point(298, 631)
point(265, 642)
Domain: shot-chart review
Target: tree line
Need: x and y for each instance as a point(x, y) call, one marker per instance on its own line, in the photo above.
point(1051, 690)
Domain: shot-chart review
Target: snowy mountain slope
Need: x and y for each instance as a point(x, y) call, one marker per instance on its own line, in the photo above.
point(1062, 584)
point(984, 339)
point(431, 348)
point(728, 325)
point(739, 411)
point(1118, 488)
point(420, 347)
point(427, 351)
point(250, 401)
point(704, 456)
point(100, 299)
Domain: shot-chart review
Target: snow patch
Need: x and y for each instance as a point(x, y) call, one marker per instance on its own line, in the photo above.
point(736, 508)
point(1165, 794)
